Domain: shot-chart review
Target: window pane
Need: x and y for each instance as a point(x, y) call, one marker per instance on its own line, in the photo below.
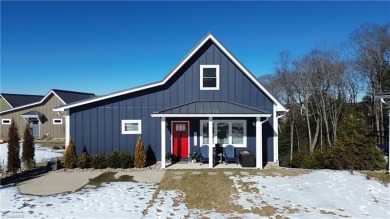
point(223, 133)
point(238, 133)
point(131, 127)
point(205, 133)
point(209, 82)
point(210, 72)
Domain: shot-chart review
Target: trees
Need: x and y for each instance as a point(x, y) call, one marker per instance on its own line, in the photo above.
point(28, 152)
point(370, 44)
point(13, 163)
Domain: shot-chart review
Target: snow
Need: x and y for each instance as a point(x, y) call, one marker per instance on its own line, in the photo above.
point(42, 154)
point(319, 194)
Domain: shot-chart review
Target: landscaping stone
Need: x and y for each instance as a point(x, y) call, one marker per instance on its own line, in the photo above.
point(196, 173)
point(178, 173)
point(212, 173)
point(176, 177)
point(228, 173)
point(244, 173)
point(260, 173)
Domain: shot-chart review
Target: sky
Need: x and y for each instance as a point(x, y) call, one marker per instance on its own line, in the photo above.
point(104, 47)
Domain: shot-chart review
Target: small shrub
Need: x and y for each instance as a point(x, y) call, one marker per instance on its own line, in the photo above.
point(84, 161)
point(13, 163)
point(127, 160)
point(70, 155)
point(99, 161)
point(140, 154)
point(28, 152)
point(114, 160)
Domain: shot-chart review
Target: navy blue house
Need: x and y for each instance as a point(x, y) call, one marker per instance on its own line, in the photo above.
point(209, 98)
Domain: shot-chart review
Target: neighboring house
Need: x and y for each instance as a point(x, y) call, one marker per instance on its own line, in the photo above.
point(9, 101)
point(43, 120)
point(209, 88)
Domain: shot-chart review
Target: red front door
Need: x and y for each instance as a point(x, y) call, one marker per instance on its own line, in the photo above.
point(180, 139)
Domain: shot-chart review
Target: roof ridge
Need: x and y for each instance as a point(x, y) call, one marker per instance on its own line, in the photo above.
point(71, 91)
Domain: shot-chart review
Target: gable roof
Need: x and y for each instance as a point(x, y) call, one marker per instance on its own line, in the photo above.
point(16, 100)
point(279, 106)
point(64, 96)
point(215, 108)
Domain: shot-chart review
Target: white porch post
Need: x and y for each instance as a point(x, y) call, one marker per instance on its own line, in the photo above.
point(67, 128)
point(259, 144)
point(163, 164)
point(211, 138)
point(276, 138)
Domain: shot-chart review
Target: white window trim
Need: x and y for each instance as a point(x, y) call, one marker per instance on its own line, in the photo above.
point(2, 121)
point(215, 122)
point(57, 123)
point(131, 132)
point(216, 75)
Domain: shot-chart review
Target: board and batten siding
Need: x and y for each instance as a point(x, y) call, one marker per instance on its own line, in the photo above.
point(54, 131)
point(97, 126)
point(4, 105)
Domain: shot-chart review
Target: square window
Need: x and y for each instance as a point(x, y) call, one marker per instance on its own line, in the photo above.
point(209, 77)
point(6, 121)
point(57, 121)
point(131, 127)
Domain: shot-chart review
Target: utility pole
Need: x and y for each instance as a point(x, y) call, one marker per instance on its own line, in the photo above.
point(382, 97)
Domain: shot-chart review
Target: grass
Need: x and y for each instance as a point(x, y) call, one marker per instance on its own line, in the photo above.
point(216, 192)
point(51, 143)
point(382, 177)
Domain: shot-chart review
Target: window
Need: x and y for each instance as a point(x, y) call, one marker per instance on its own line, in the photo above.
point(209, 77)
point(6, 121)
point(131, 127)
point(57, 121)
point(228, 132)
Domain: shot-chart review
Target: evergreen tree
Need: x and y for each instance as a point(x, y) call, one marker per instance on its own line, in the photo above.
point(13, 163)
point(28, 152)
point(140, 154)
point(70, 155)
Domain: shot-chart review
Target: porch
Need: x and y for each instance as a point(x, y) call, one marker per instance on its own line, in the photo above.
point(187, 128)
point(188, 165)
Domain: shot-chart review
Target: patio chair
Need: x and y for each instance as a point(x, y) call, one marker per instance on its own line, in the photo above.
point(229, 153)
point(204, 154)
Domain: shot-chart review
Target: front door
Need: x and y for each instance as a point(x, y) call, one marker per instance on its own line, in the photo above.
point(34, 123)
point(180, 139)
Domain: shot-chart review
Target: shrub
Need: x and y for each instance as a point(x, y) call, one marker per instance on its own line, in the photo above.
point(114, 160)
point(140, 154)
point(28, 152)
point(13, 163)
point(70, 155)
point(84, 161)
point(127, 160)
point(99, 161)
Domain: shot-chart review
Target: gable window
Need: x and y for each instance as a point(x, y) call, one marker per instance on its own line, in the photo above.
point(131, 127)
point(209, 77)
point(57, 121)
point(6, 121)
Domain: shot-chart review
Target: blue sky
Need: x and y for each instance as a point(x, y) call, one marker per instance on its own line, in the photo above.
point(103, 47)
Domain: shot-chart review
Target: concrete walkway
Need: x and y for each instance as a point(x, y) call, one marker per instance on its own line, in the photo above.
point(60, 182)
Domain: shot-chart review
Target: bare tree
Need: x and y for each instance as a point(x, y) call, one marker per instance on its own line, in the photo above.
point(371, 49)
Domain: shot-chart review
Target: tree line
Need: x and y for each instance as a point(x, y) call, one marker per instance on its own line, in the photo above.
point(331, 86)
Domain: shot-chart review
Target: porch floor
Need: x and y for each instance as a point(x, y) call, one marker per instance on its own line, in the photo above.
point(189, 165)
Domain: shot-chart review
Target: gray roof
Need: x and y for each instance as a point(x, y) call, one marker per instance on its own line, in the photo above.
point(16, 100)
point(72, 96)
point(212, 107)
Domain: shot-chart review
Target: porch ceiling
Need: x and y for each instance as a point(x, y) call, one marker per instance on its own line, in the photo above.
point(211, 109)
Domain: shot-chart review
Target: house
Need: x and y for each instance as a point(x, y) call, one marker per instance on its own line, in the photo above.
point(38, 111)
point(9, 101)
point(208, 98)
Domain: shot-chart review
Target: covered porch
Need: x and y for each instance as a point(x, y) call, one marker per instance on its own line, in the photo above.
point(211, 123)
